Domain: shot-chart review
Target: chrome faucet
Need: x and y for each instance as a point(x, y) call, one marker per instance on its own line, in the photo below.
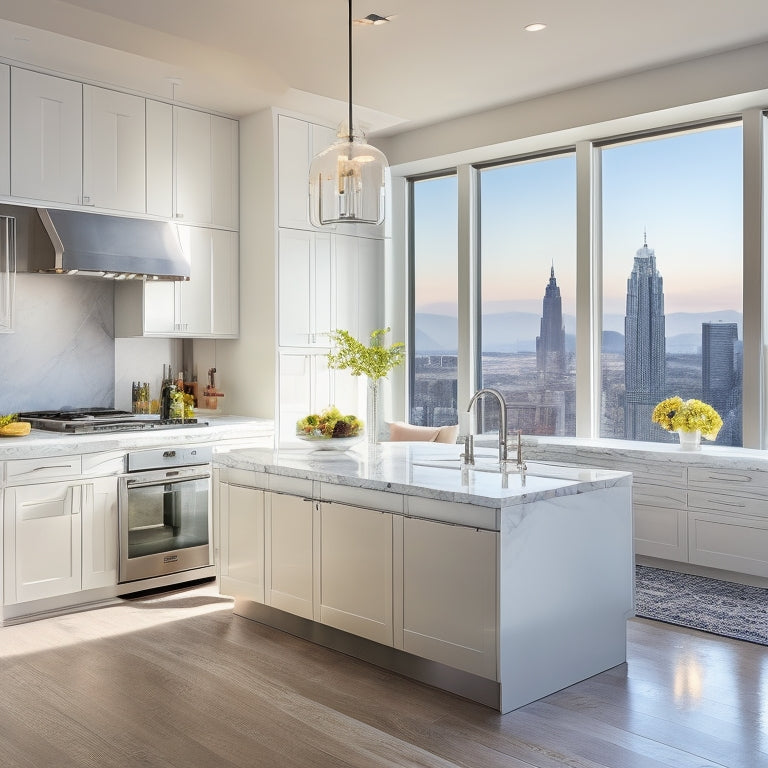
point(502, 419)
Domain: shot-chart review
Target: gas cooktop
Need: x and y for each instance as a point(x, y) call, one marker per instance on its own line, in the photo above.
point(87, 420)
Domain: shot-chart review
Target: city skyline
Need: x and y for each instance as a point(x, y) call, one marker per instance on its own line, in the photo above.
point(684, 189)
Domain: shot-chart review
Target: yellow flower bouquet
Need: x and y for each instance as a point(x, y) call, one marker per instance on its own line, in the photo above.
point(677, 415)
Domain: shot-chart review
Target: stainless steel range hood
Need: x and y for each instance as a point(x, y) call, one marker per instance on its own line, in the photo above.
point(113, 245)
point(79, 242)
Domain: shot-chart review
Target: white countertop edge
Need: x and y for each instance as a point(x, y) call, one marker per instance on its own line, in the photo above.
point(390, 466)
point(42, 444)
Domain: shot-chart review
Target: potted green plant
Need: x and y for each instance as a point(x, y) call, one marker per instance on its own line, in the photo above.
point(375, 361)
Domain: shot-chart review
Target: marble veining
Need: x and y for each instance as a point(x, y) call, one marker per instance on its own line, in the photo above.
point(415, 469)
point(619, 453)
point(62, 350)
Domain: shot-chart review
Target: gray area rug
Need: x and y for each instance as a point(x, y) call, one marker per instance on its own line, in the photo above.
point(720, 607)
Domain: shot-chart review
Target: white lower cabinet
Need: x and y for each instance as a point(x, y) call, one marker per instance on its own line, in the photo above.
point(354, 572)
point(660, 521)
point(241, 541)
point(449, 595)
point(99, 533)
point(59, 538)
point(42, 533)
point(289, 553)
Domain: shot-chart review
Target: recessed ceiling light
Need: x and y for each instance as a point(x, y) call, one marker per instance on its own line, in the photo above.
point(535, 27)
point(374, 18)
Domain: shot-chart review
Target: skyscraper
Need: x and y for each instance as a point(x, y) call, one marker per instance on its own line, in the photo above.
point(719, 342)
point(550, 345)
point(644, 346)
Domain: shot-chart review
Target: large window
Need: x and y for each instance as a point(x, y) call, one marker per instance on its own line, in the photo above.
point(434, 301)
point(528, 293)
point(672, 279)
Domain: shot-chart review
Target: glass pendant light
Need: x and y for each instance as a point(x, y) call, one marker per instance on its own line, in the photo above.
point(346, 181)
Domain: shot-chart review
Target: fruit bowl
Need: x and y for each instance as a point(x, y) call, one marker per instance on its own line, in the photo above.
point(322, 443)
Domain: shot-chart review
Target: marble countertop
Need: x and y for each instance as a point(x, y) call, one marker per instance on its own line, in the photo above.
point(576, 449)
point(425, 469)
point(221, 430)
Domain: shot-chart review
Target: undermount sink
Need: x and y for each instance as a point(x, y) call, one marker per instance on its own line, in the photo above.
point(491, 464)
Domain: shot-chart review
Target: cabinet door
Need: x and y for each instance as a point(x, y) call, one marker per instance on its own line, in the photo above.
point(293, 172)
point(241, 521)
point(225, 159)
point(731, 542)
point(225, 284)
point(660, 520)
point(295, 264)
point(46, 137)
point(370, 286)
point(348, 298)
point(159, 307)
point(289, 541)
point(297, 143)
point(99, 521)
point(159, 158)
point(192, 145)
point(42, 541)
point(355, 571)
point(305, 387)
point(114, 150)
point(194, 295)
point(449, 595)
point(5, 130)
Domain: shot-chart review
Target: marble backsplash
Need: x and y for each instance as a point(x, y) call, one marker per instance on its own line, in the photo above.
point(61, 352)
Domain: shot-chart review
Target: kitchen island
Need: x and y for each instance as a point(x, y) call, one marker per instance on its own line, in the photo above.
point(500, 587)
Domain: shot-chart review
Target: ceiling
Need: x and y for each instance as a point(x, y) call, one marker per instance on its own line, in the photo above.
point(437, 59)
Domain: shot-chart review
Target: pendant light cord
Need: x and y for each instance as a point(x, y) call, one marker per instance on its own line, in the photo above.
point(349, 127)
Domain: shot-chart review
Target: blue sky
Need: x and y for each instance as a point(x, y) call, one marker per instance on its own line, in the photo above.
point(685, 190)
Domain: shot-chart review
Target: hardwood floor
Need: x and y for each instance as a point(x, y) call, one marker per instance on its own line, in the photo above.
point(177, 680)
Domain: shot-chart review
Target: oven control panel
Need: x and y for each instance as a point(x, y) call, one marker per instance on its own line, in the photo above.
point(177, 456)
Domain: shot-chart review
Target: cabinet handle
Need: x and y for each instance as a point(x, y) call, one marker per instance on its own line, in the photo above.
point(87, 200)
point(178, 215)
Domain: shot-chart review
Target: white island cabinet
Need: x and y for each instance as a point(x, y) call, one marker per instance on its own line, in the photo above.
point(501, 588)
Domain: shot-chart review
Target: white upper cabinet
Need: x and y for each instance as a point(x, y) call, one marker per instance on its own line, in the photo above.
point(5, 130)
point(159, 161)
point(114, 150)
point(359, 273)
point(206, 154)
point(225, 283)
point(297, 143)
point(205, 306)
point(225, 159)
point(46, 137)
point(304, 288)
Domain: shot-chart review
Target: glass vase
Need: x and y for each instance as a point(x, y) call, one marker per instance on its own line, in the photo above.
point(690, 441)
point(372, 423)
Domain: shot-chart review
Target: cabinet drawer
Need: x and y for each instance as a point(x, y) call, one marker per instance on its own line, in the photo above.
point(647, 495)
point(362, 497)
point(23, 470)
point(728, 503)
point(734, 544)
point(487, 518)
point(742, 481)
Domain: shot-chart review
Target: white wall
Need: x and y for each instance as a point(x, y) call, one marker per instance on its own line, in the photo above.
point(143, 360)
point(693, 90)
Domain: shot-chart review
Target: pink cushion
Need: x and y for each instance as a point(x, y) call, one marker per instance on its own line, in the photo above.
point(399, 431)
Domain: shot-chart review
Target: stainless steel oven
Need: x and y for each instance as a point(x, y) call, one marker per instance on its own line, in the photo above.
point(165, 513)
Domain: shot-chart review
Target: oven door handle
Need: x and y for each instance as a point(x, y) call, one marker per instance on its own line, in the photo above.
point(167, 480)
